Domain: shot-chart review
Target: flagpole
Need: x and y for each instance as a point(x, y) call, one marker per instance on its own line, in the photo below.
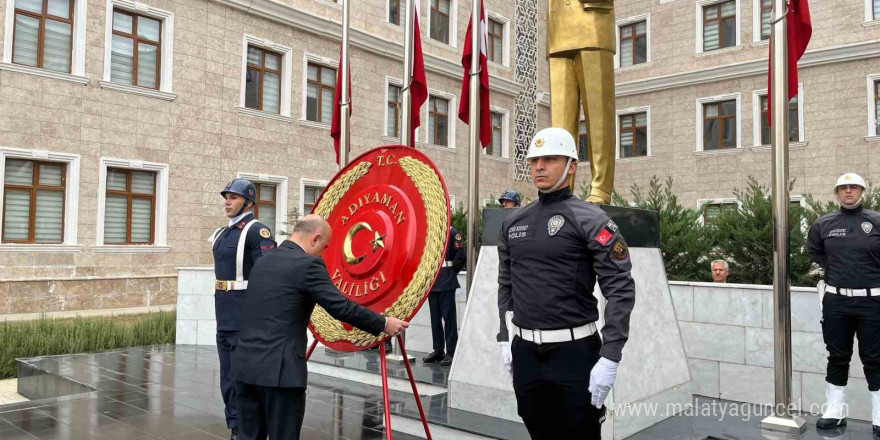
point(406, 96)
point(345, 116)
point(784, 418)
point(396, 356)
point(474, 126)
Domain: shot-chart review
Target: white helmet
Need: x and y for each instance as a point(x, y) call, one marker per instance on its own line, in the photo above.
point(553, 141)
point(850, 179)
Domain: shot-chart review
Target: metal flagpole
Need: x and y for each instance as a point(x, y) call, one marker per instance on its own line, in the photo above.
point(474, 163)
point(783, 418)
point(396, 356)
point(345, 121)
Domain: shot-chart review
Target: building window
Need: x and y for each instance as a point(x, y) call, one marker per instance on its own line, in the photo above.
point(719, 125)
point(438, 121)
point(33, 201)
point(265, 209)
point(311, 194)
point(320, 87)
point(394, 11)
point(633, 135)
point(793, 121)
point(263, 80)
point(719, 25)
point(440, 20)
point(135, 54)
point(130, 207)
point(711, 211)
point(583, 142)
point(633, 44)
point(496, 41)
point(766, 10)
point(496, 147)
point(392, 117)
point(876, 94)
point(43, 34)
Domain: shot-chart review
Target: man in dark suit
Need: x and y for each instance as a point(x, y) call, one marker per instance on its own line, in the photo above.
point(269, 365)
point(441, 300)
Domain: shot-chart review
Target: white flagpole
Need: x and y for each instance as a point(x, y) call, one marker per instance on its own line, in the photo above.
point(474, 163)
point(406, 97)
point(345, 117)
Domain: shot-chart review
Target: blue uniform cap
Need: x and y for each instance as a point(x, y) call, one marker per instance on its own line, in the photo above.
point(242, 187)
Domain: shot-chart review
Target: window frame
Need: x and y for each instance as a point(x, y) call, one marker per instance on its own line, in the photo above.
point(453, 24)
point(77, 41)
point(629, 112)
point(757, 22)
point(399, 15)
point(873, 94)
point(71, 198)
point(321, 61)
point(34, 188)
point(129, 205)
point(450, 120)
point(699, 121)
point(505, 37)
point(505, 134)
point(160, 207)
point(577, 141)
point(699, 5)
point(629, 21)
point(286, 72)
point(702, 203)
point(136, 40)
point(281, 196)
point(41, 30)
point(870, 17)
point(263, 69)
point(757, 114)
point(391, 82)
point(303, 183)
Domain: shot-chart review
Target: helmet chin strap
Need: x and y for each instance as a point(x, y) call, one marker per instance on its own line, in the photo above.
point(851, 206)
point(561, 179)
point(241, 210)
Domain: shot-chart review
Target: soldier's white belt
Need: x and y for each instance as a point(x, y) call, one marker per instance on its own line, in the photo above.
point(551, 336)
point(447, 264)
point(230, 285)
point(874, 291)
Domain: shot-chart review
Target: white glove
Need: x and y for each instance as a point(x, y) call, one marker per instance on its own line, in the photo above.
point(507, 356)
point(601, 379)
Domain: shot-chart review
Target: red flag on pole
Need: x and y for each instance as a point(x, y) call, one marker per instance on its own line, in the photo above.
point(463, 108)
point(799, 29)
point(336, 120)
point(419, 86)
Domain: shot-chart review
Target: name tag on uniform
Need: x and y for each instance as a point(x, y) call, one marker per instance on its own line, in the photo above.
point(516, 232)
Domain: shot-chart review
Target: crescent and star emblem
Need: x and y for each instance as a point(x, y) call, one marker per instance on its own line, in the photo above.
point(377, 242)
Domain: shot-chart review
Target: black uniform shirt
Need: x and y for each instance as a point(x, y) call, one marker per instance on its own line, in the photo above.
point(846, 243)
point(447, 279)
point(550, 255)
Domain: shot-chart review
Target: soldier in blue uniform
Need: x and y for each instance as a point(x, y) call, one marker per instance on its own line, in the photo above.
point(510, 199)
point(237, 246)
point(441, 301)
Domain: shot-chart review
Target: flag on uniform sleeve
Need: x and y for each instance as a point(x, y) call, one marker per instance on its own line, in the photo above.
point(799, 29)
point(336, 120)
point(419, 87)
point(464, 102)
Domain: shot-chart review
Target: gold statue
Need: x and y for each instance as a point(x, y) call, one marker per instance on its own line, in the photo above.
point(580, 48)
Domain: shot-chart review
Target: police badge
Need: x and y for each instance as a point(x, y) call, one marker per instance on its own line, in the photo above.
point(867, 227)
point(555, 224)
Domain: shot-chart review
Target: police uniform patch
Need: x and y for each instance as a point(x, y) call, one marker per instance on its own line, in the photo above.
point(620, 250)
point(458, 237)
point(612, 226)
point(555, 224)
point(604, 236)
point(867, 227)
point(264, 232)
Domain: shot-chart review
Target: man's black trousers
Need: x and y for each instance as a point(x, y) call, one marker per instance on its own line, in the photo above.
point(445, 333)
point(273, 411)
point(842, 318)
point(551, 382)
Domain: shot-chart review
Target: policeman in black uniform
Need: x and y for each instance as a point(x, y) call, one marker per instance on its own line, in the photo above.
point(236, 247)
point(846, 244)
point(441, 300)
point(551, 253)
point(510, 199)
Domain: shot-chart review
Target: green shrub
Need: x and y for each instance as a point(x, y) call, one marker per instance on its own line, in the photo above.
point(46, 336)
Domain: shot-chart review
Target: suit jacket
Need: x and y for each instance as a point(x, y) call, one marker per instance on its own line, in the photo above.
point(282, 291)
point(571, 27)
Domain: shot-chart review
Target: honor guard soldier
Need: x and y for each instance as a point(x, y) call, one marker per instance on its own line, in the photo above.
point(551, 253)
point(236, 247)
point(846, 244)
point(441, 301)
point(510, 199)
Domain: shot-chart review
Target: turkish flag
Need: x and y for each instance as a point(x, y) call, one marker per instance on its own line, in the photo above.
point(336, 121)
point(463, 105)
point(799, 29)
point(419, 87)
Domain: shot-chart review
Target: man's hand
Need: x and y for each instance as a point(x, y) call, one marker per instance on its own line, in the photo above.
point(393, 326)
point(507, 356)
point(601, 379)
